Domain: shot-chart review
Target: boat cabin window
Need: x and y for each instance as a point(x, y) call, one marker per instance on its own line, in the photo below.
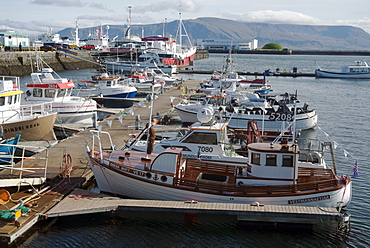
point(270, 159)
point(61, 93)
point(109, 83)
point(2, 101)
point(9, 100)
point(287, 161)
point(37, 92)
point(50, 93)
point(256, 158)
point(201, 138)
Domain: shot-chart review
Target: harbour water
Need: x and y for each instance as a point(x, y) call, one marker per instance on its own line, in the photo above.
point(343, 109)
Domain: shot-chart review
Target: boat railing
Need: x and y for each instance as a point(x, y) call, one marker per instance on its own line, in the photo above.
point(18, 167)
point(35, 108)
point(6, 117)
point(209, 186)
point(97, 143)
point(11, 78)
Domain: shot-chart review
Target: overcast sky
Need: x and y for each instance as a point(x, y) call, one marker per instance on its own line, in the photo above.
point(37, 16)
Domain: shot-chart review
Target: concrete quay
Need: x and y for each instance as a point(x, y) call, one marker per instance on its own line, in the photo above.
point(23, 63)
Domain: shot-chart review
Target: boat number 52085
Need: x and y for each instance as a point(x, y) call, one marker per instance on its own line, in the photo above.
point(276, 116)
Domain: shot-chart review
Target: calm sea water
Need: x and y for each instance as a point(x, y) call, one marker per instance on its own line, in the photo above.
point(343, 107)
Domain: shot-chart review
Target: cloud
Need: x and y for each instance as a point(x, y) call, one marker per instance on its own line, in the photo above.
point(34, 27)
point(118, 18)
point(100, 7)
point(60, 3)
point(279, 17)
point(363, 23)
point(186, 6)
point(291, 17)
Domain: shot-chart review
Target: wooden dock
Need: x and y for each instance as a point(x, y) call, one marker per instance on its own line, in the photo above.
point(86, 202)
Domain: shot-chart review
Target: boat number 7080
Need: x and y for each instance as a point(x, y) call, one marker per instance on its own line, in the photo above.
point(278, 116)
point(205, 148)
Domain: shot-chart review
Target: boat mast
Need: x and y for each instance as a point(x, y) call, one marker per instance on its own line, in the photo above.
point(128, 34)
point(180, 28)
point(77, 40)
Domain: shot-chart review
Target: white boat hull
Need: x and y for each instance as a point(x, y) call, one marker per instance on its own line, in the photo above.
point(127, 67)
point(240, 121)
point(134, 186)
point(328, 74)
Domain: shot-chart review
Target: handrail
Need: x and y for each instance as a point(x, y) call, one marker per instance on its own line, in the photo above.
point(19, 168)
point(96, 134)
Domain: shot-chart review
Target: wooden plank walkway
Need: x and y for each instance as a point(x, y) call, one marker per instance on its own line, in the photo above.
point(86, 202)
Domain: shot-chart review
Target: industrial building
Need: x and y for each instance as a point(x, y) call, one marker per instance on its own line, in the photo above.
point(212, 44)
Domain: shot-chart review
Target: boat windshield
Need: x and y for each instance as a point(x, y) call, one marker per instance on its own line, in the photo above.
point(213, 101)
point(201, 138)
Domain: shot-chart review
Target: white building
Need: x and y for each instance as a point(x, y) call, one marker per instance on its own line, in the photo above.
point(212, 44)
point(10, 38)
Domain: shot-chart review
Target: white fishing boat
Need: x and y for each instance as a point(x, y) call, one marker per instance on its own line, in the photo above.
point(208, 141)
point(276, 173)
point(270, 114)
point(104, 85)
point(145, 83)
point(34, 122)
point(144, 61)
point(361, 70)
point(273, 173)
point(48, 87)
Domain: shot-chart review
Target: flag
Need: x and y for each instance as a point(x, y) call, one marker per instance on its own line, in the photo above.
point(120, 117)
point(109, 122)
point(355, 170)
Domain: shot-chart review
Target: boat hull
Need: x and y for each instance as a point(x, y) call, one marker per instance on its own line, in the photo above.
point(112, 102)
point(128, 68)
point(240, 121)
point(328, 74)
point(122, 95)
point(35, 128)
point(136, 186)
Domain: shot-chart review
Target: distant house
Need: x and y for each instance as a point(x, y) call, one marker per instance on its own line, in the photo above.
point(212, 44)
point(10, 38)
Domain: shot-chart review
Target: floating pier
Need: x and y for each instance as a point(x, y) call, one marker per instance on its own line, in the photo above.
point(255, 73)
point(86, 202)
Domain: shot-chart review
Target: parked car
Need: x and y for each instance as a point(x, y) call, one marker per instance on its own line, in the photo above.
point(87, 47)
point(47, 48)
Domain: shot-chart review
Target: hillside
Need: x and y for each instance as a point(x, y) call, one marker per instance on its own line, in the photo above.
point(309, 37)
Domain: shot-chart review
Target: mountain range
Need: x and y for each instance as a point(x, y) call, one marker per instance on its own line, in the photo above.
point(306, 37)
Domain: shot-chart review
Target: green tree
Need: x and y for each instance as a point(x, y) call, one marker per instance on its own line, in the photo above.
point(273, 46)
